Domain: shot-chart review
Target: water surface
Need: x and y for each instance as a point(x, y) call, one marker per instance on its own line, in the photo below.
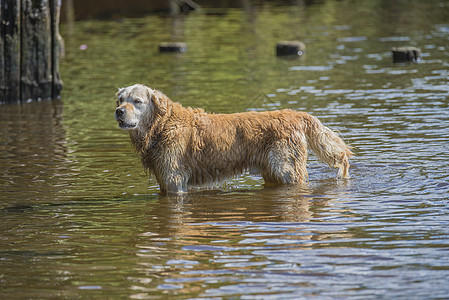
point(79, 217)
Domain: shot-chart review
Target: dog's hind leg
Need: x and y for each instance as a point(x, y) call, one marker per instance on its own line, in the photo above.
point(286, 165)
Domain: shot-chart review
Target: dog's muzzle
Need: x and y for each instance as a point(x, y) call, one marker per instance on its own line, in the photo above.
point(120, 113)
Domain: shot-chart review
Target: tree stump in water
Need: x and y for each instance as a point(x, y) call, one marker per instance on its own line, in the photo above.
point(30, 45)
point(172, 47)
point(290, 48)
point(404, 54)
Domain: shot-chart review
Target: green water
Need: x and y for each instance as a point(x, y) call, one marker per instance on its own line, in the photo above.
point(80, 219)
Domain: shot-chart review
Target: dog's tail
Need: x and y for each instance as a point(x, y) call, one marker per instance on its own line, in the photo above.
point(328, 146)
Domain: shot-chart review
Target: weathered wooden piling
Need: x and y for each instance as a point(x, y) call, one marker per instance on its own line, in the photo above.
point(290, 48)
point(404, 54)
point(30, 44)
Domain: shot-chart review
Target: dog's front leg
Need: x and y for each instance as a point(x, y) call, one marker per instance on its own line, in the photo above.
point(176, 184)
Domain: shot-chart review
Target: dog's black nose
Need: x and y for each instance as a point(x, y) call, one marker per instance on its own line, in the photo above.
point(119, 112)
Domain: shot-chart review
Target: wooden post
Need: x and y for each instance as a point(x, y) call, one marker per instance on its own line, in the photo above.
point(290, 48)
point(406, 54)
point(10, 33)
point(57, 47)
point(30, 49)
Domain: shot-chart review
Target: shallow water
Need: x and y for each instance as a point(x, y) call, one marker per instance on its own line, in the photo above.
point(80, 219)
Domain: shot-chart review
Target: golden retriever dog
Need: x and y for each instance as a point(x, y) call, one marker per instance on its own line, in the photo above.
point(185, 146)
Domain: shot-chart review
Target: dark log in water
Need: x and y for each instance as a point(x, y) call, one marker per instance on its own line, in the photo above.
point(173, 47)
point(404, 54)
point(290, 48)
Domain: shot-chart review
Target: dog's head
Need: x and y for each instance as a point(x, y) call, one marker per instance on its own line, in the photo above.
point(138, 105)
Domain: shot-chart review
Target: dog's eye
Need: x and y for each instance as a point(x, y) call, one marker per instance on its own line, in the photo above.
point(138, 101)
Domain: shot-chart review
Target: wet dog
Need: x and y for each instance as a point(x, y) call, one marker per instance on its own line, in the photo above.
point(185, 146)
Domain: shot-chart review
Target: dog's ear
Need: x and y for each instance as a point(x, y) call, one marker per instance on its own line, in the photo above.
point(159, 102)
point(120, 90)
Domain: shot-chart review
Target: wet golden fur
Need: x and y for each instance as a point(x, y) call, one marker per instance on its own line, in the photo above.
point(186, 146)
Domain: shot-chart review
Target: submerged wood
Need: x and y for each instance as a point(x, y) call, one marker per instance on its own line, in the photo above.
point(173, 47)
point(404, 54)
point(290, 48)
point(30, 42)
